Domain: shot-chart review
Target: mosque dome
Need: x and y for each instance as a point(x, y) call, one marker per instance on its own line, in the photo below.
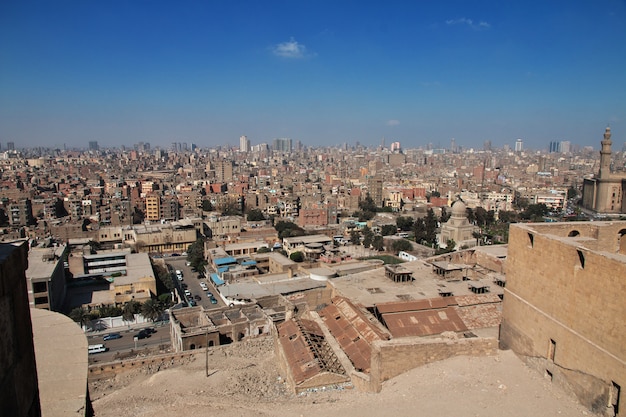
point(459, 209)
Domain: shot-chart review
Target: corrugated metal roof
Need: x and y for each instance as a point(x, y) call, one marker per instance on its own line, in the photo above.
point(303, 362)
point(415, 305)
point(424, 322)
point(353, 330)
point(225, 261)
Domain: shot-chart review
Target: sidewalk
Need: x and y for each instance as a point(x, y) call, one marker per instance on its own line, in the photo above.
point(126, 328)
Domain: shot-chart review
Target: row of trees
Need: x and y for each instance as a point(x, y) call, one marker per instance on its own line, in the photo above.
point(151, 309)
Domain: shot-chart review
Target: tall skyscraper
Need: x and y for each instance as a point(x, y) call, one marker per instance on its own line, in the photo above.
point(244, 144)
point(282, 145)
point(519, 145)
point(395, 147)
point(566, 146)
point(93, 145)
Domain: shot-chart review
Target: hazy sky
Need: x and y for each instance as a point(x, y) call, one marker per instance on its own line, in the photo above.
point(322, 72)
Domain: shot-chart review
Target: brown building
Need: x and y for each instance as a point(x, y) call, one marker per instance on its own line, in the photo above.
point(564, 308)
point(605, 193)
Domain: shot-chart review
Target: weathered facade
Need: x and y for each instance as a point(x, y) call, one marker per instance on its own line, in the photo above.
point(564, 309)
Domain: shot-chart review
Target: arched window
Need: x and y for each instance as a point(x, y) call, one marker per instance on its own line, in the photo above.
point(574, 233)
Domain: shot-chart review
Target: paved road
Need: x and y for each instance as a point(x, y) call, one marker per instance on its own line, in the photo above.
point(191, 280)
point(127, 343)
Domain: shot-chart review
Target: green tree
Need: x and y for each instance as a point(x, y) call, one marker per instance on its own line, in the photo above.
point(401, 245)
point(450, 244)
point(430, 224)
point(535, 212)
point(404, 223)
point(355, 237)
point(419, 230)
point(288, 229)
point(297, 256)
point(152, 309)
point(129, 310)
point(572, 192)
point(368, 236)
point(255, 215)
point(378, 243)
point(364, 216)
point(368, 204)
point(80, 315)
point(478, 236)
point(195, 254)
point(207, 206)
point(389, 230)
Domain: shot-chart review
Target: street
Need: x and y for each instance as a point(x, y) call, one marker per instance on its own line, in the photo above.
point(127, 343)
point(191, 280)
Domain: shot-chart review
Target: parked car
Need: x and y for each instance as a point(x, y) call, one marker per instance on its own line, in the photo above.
point(142, 334)
point(197, 297)
point(209, 294)
point(213, 300)
point(188, 293)
point(203, 286)
point(150, 330)
point(112, 336)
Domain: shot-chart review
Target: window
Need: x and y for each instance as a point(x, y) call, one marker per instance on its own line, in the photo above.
point(581, 258)
point(531, 239)
point(574, 233)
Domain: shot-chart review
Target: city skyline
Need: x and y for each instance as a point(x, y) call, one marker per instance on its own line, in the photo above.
point(320, 73)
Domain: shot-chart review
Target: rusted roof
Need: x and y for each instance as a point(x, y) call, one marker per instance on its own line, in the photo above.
point(424, 322)
point(357, 349)
point(300, 358)
point(414, 305)
point(305, 361)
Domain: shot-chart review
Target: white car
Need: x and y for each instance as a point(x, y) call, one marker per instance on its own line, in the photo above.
point(203, 286)
point(188, 293)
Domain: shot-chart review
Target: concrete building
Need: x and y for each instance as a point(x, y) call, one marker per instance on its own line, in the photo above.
point(564, 308)
point(605, 193)
point(46, 277)
point(244, 144)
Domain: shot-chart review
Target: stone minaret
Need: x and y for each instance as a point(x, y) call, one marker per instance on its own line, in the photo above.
point(605, 155)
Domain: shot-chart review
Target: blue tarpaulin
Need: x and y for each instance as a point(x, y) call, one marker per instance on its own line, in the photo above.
point(216, 279)
point(225, 261)
point(222, 269)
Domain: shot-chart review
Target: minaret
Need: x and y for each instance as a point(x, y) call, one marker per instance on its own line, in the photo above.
point(605, 155)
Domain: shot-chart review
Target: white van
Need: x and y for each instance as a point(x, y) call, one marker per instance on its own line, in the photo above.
point(96, 349)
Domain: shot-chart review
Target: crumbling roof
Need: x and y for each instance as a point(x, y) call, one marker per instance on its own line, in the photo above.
point(306, 350)
point(353, 330)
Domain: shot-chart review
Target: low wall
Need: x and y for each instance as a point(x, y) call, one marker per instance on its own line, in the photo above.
point(394, 357)
point(152, 363)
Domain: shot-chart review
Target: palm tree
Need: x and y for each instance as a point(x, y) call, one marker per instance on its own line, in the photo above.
point(477, 236)
point(80, 315)
point(129, 310)
point(152, 309)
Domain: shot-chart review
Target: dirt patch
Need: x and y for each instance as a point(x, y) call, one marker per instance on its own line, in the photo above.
point(244, 380)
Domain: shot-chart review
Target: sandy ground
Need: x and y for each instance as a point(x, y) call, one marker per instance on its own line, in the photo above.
point(244, 381)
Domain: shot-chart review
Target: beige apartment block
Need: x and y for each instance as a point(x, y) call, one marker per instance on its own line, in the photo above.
point(564, 307)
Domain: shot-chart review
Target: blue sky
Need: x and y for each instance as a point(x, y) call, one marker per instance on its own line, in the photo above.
point(322, 72)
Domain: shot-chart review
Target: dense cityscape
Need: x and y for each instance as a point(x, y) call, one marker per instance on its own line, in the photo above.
point(276, 234)
point(312, 208)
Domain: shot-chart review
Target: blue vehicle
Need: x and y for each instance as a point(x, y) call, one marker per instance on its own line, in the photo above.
point(213, 300)
point(112, 336)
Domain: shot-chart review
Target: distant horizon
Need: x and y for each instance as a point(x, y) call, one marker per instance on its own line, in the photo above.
point(322, 72)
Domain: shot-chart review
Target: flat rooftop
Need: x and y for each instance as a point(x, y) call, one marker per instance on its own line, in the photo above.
point(373, 287)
